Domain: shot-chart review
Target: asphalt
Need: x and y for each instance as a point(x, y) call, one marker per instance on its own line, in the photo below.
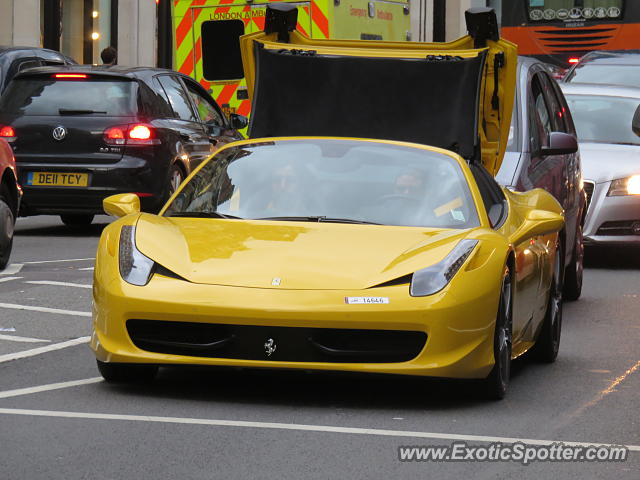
point(175, 427)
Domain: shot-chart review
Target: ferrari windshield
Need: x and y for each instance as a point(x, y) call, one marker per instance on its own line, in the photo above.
point(604, 119)
point(321, 180)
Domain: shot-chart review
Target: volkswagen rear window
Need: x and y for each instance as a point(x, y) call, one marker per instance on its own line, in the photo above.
point(43, 97)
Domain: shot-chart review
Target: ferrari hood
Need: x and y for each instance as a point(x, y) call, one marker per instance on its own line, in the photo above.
point(455, 95)
point(301, 255)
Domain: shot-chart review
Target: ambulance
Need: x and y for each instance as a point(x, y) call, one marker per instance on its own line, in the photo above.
point(206, 36)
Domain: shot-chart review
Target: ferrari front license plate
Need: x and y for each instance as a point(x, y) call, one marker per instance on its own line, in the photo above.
point(365, 300)
point(58, 179)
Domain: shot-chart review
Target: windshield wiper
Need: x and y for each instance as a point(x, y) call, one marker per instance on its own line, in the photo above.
point(203, 215)
point(319, 218)
point(71, 111)
point(346, 220)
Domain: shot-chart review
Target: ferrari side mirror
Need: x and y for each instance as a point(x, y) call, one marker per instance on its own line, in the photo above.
point(121, 204)
point(238, 121)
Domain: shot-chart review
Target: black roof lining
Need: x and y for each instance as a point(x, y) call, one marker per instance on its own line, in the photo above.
point(415, 100)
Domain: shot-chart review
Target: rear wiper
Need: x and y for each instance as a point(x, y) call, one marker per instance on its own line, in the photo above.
point(71, 111)
point(319, 218)
point(203, 215)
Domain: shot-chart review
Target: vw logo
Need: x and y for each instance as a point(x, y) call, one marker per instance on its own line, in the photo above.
point(59, 133)
point(270, 346)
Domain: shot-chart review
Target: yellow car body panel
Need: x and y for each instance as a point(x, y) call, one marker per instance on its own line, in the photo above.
point(459, 320)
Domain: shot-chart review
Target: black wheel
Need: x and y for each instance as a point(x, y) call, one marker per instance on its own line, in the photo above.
point(126, 372)
point(572, 288)
point(7, 222)
point(498, 380)
point(548, 342)
point(77, 219)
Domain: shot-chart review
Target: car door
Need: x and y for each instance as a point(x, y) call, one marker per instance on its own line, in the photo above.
point(210, 116)
point(544, 171)
point(193, 139)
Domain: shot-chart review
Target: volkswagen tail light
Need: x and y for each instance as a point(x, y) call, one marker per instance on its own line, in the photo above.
point(132, 134)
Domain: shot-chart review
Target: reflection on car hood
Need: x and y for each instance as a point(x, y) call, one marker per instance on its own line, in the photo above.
point(602, 162)
point(303, 255)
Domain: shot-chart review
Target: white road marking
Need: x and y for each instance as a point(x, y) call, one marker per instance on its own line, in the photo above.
point(15, 338)
point(45, 309)
point(300, 427)
point(58, 261)
point(8, 279)
point(46, 388)
point(12, 269)
point(59, 284)
point(88, 268)
point(37, 351)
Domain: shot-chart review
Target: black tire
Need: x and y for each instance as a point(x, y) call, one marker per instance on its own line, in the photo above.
point(495, 385)
point(572, 288)
point(77, 219)
point(127, 372)
point(7, 223)
point(548, 342)
point(176, 177)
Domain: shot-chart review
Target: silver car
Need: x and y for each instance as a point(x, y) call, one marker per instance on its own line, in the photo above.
point(610, 151)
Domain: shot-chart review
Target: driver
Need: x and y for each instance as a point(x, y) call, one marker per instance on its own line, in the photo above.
point(411, 184)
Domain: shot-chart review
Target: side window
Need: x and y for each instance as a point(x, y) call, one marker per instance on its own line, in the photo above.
point(221, 59)
point(492, 196)
point(539, 117)
point(205, 109)
point(178, 97)
point(557, 120)
point(566, 113)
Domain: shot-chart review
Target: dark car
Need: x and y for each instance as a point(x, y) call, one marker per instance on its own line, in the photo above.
point(83, 133)
point(10, 194)
point(614, 67)
point(14, 60)
point(541, 127)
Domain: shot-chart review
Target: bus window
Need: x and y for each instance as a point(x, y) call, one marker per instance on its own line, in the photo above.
point(221, 58)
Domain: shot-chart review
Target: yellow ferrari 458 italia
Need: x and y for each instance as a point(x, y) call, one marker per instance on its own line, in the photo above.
point(398, 256)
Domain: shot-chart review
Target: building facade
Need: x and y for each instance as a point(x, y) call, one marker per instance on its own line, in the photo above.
point(81, 29)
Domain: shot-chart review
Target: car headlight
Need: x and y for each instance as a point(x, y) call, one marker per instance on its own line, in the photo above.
point(432, 279)
point(135, 268)
point(625, 186)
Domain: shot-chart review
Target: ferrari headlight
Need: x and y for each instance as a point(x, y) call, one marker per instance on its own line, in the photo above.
point(625, 186)
point(135, 268)
point(432, 279)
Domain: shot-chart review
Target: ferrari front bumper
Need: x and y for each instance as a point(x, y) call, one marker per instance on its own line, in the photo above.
point(459, 327)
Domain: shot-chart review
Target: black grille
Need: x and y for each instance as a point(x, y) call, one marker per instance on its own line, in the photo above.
point(292, 344)
point(624, 227)
point(588, 189)
point(573, 41)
